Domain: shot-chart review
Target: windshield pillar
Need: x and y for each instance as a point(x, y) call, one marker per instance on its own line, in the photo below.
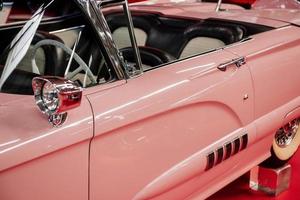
point(96, 17)
point(132, 37)
point(131, 70)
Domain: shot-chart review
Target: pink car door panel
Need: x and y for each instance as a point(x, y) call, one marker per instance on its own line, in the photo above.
point(38, 160)
point(162, 134)
point(275, 68)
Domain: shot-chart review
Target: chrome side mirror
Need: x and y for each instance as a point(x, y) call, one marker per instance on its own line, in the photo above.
point(54, 96)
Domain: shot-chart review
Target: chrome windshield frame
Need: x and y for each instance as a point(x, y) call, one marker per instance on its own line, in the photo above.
point(124, 3)
point(96, 18)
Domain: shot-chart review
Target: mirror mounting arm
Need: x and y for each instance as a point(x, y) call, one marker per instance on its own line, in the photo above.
point(218, 7)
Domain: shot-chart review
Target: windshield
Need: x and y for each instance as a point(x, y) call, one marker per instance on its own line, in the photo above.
point(39, 39)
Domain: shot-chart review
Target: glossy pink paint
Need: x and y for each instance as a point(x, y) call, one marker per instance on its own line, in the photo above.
point(34, 155)
point(193, 10)
point(276, 4)
point(148, 137)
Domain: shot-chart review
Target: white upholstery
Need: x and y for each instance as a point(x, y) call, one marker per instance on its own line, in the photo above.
point(69, 37)
point(122, 39)
point(40, 60)
point(83, 78)
point(200, 45)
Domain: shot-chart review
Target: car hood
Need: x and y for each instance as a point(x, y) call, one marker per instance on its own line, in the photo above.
point(291, 16)
point(264, 13)
point(276, 4)
point(17, 113)
point(280, 10)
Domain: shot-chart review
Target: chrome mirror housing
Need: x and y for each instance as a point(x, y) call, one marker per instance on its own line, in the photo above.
point(54, 96)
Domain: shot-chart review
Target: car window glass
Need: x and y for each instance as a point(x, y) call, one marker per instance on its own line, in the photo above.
point(64, 46)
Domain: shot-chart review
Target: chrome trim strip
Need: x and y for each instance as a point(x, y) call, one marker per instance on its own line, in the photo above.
point(228, 150)
point(244, 142)
point(67, 29)
point(236, 146)
point(96, 17)
point(210, 161)
point(124, 4)
point(220, 155)
point(132, 38)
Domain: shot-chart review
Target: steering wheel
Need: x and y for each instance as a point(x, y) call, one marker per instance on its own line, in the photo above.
point(82, 65)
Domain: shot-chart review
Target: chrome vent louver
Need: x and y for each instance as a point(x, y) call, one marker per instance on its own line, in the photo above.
point(226, 151)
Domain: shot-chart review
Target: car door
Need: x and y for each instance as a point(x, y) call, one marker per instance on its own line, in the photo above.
point(275, 68)
point(171, 131)
point(38, 160)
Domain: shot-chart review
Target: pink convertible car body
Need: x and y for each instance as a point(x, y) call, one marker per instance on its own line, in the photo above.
point(180, 130)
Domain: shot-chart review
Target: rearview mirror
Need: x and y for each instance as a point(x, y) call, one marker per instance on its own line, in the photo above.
point(54, 96)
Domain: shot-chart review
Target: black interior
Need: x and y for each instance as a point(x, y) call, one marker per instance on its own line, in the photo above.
point(19, 82)
point(150, 56)
point(171, 35)
point(166, 39)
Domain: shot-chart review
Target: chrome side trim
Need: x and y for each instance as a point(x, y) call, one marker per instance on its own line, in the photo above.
point(67, 29)
point(133, 38)
point(210, 161)
point(236, 146)
point(226, 151)
point(220, 153)
point(244, 142)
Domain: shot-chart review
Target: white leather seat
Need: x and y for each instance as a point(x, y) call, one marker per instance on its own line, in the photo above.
point(122, 39)
point(200, 45)
point(40, 60)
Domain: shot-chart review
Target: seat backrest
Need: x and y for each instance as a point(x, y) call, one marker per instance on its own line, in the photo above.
point(207, 36)
point(122, 39)
point(118, 26)
point(200, 45)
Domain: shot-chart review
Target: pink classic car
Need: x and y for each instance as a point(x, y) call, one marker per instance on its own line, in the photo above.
point(164, 101)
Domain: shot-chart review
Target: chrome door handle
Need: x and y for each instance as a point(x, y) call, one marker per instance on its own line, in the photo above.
point(238, 62)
